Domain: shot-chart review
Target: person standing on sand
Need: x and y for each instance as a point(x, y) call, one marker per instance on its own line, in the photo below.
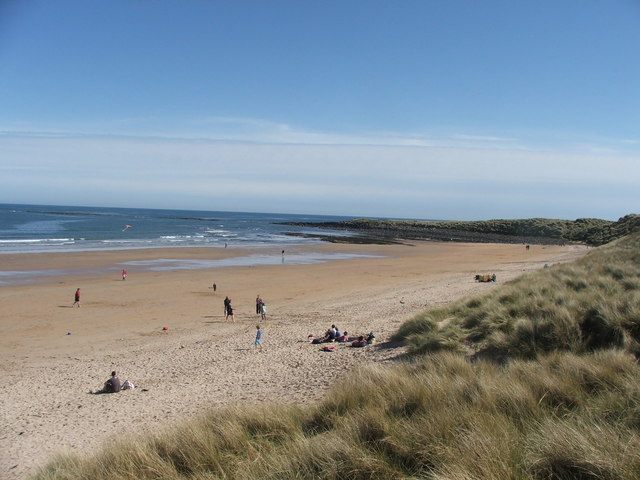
point(263, 311)
point(258, 340)
point(77, 298)
point(230, 311)
point(124, 274)
point(258, 304)
point(227, 302)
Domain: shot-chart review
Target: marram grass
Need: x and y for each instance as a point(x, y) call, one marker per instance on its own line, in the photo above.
point(580, 307)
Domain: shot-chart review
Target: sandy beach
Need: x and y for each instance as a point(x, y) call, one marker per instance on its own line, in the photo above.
point(53, 354)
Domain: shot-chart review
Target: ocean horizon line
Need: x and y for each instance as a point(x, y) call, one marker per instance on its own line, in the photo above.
point(31, 228)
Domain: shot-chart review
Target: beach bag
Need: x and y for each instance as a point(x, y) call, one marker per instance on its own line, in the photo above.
point(127, 385)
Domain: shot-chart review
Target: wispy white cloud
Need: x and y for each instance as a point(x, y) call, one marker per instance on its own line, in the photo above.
point(282, 169)
point(249, 130)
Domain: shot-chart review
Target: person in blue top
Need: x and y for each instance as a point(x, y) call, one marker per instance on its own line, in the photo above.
point(258, 341)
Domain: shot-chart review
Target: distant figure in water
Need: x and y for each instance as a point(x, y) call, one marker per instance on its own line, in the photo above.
point(77, 298)
point(124, 274)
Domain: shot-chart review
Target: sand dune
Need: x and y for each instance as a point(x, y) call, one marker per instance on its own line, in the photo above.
point(52, 355)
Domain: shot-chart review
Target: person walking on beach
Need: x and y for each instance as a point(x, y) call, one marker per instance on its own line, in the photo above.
point(258, 341)
point(215, 287)
point(228, 309)
point(263, 311)
point(124, 274)
point(258, 305)
point(77, 298)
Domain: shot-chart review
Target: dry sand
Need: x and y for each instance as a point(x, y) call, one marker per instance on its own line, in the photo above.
point(52, 355)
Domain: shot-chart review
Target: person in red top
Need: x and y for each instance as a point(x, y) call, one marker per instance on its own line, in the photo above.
point(77, 298)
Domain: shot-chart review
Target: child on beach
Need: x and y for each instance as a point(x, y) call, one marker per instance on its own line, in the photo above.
point(258, 340)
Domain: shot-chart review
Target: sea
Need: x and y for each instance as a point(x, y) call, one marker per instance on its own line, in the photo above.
point(51, 228)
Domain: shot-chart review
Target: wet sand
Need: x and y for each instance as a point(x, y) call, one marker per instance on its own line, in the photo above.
point(53, 354)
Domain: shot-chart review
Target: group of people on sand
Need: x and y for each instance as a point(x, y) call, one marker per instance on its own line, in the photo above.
point(334, 334)
point(261, 308)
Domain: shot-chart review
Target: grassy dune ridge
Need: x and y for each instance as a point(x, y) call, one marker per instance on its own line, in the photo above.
point(563, 403)
point(590, 231)
point(587, 305)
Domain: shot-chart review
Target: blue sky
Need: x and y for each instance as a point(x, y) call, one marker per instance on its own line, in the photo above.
point(410, 109)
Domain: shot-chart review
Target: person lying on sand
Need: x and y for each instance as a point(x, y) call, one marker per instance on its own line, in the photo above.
point(360, 342)
point(363, 342)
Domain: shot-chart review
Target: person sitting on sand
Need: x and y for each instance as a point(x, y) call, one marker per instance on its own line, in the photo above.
point(112, 385)
point(329, 336)
point(343, 338)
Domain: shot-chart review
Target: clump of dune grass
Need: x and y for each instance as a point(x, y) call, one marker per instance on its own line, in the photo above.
point(563, 416)
point(584, 306)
